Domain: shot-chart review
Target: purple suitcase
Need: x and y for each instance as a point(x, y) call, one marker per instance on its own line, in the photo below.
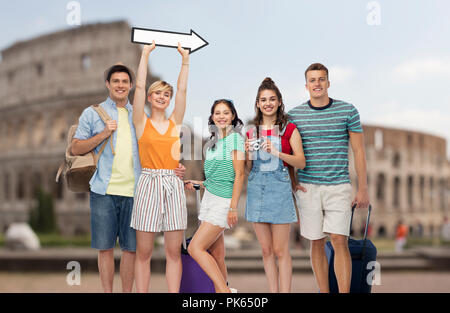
point(194, 279)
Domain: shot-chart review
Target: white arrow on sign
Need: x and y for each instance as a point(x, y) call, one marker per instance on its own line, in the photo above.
point(163, 38)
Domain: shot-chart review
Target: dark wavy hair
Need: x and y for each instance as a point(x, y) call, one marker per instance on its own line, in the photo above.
point(236, 122)
point(282, 119)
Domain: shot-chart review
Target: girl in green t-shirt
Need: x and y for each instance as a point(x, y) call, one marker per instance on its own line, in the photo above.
point(224, 172)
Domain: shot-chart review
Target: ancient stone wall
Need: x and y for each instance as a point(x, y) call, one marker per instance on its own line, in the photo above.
point(45, 84)
point(409, 180)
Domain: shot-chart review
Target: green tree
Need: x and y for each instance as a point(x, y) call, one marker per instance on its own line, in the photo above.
point(42, 217)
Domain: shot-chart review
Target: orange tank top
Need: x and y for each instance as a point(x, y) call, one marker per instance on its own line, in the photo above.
point(159, 151)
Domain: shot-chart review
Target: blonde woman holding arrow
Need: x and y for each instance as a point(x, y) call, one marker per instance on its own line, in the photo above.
point(160, 203)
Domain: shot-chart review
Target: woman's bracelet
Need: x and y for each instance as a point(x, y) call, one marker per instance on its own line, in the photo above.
point(232, 210)
point(184, 63)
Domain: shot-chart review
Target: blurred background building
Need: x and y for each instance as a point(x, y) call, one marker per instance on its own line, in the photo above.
point(46, 82)
point(408, 178)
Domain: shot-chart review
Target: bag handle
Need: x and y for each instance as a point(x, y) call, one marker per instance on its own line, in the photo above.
point(366, 228)
point(60, 169)
point(105, 118)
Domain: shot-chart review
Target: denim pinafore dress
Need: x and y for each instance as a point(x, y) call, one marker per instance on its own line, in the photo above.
point(269, 189)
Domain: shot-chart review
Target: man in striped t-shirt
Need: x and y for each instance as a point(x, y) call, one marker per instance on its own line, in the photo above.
point(324, 192)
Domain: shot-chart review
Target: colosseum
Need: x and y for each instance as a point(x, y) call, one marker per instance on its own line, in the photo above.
point(46, 82)
point(408, 178)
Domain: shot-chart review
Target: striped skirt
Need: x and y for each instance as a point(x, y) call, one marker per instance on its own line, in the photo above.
point(159, 202)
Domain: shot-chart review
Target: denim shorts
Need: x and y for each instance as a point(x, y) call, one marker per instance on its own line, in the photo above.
point(110, 218)
point(269, 197)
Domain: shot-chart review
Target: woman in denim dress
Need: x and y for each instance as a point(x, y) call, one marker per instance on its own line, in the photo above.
point(270, 204)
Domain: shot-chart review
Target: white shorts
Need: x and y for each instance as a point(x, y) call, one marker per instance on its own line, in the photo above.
point(324, 209)
point(214, 210)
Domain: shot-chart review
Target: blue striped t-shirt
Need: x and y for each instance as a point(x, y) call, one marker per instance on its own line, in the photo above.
point(325, 136)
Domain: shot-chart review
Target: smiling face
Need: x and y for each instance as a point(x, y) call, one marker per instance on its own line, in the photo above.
point(222, 116)
point(119, 86)
point(317, 83)
point(268, 102)
point(159, 99)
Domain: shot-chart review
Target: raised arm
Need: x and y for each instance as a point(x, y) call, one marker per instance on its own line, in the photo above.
point(180, 96)
point(139, 117)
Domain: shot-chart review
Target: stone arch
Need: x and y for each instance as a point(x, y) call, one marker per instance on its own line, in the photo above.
point(381, 186)
point(410, 192)
point(442, 194)
point(21, 186)
point(396, 160)
point(422, 190)
point(431, 192)
point(397, 186)
point(59, 128)
point(22, 134)
point(382, 232)
point(6, 186)
point(38, 133)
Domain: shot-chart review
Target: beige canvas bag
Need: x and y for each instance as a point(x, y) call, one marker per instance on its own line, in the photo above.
point(78, 169)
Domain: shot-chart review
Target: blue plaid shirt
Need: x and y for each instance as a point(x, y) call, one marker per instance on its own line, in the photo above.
point(89, 125)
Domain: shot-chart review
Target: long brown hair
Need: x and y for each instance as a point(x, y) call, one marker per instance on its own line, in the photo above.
point(282, 119)
point(236, 123)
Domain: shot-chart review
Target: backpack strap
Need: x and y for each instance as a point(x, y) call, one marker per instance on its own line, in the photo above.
point(97, 156)
point(105, 118)
point(60, 169)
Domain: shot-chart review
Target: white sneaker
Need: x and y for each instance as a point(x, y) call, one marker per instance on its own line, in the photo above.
point(233, 290)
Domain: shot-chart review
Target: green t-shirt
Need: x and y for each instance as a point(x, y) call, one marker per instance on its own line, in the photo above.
point(219, 171)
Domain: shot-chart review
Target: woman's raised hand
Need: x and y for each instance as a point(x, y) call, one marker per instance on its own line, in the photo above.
point(184, 53)
point(149, 48)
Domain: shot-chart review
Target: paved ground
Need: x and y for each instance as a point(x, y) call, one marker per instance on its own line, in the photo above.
point(391, 282)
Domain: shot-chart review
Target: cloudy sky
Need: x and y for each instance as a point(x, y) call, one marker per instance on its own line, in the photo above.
point(391, 59)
